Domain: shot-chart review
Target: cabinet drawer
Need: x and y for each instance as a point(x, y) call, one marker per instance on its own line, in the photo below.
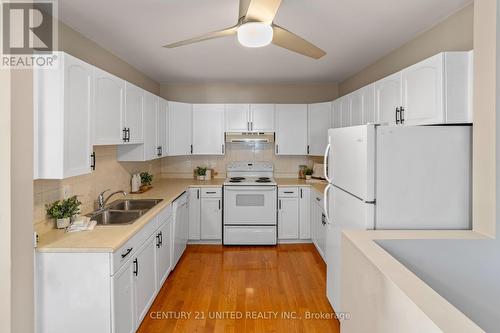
point(290, 192)
point(124, 253)
point(215, 192)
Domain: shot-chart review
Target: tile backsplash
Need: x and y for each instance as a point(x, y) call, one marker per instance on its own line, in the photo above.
point(109, 174)
point(284, 166)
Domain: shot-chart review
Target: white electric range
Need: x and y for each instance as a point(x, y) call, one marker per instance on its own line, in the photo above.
point(250, 204)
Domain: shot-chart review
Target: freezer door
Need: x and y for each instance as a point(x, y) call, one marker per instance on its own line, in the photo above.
point(352, 160)
point(423, 177)
point(346, 212)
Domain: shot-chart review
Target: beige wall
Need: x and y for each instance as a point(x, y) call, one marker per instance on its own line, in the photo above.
point(453, 34)
point(109, 174)
point(485, 122)
point(5, 206)
point(76, 44)
point(250, 93)
point(183, 166)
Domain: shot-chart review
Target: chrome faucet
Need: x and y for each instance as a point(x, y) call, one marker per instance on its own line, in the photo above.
point(101, 202)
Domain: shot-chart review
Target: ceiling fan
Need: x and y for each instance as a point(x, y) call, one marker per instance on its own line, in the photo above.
point(255, 28)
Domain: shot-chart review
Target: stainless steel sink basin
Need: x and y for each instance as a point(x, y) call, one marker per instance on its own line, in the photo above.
point(110, 217)
point(134, 204)
point(122, 212)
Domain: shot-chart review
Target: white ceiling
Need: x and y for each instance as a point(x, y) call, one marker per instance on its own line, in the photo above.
point(354, 33)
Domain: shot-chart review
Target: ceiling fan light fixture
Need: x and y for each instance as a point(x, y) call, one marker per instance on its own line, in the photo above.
point(255, 34)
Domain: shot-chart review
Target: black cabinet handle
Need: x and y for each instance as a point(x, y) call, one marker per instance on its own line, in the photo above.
point(158, 151)
point(248, 125)
point(288, 192)
point(251, 126)
point(308, 150)
point(402, 115)
point(211, 192)
point(127, 253)
point(277, 150)
point(161, 238)
point(197, 194)
point(124, 131)
point(158, 240)
point(279, 204)
point(127, 134)
point(219, 204)
point(223, 150)
point(301, 193)
point(136, 267)
point(191, 149)
point(397, 115)
point(92, 162)
point(323, 219)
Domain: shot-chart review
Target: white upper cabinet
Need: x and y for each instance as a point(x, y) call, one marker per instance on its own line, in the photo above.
point(63, 104)
point(291, 129)
point(151, 105)
point(436, 90)
point(208, 129)
point(362, 106)
point(388, 98)
point(132, 120)
point(319, 120)
point(109, 95)
point(336, 113)
point(237, 118)
point(355, 101)
point(262, 117)
point(162, 139)
point(180, 123)
point(345, 111)
point(250, 118)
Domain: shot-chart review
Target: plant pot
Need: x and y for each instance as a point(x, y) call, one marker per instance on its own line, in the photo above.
point(308, 177)
point(63, 223)
point(201, 177)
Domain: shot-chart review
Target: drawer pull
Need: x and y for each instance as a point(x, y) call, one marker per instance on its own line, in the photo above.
point(211, 192)
point(127, 253)
point(289, 192)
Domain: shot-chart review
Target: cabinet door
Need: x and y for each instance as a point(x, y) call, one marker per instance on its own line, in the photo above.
point(288, 218)
point(336, 113)
point(133, 112)
point(194, 213)
point(163, 247)
point(305, 213)
point(423, 92)
point(208, 129)
point(369, 114)
point(291, 129)
point(179, 128)
point(109, 92)
point(144, 268)
point(319, 120)
point(162, 141)
point(77, 111)
point(123, 300)
point(211, 218)
point(237, 118)
point(345, 111)
point(150, 126)
point(387, 98)
point(262, 117)
point(355, 101)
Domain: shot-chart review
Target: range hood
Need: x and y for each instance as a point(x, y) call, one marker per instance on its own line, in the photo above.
point(249, 137)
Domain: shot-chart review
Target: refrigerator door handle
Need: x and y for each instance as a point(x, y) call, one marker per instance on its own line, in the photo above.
point(326, 202)
point(325, 161)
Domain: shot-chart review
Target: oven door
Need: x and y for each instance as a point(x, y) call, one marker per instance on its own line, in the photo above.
point(250, 205)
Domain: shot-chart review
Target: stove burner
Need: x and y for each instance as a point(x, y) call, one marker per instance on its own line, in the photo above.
point(235, 181)
point(263, 180)
point(237, 178)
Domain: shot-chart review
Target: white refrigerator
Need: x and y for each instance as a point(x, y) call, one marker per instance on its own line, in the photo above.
point(394, 177)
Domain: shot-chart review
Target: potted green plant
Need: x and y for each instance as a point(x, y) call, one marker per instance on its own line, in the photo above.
point(308, 172)
point(146, 178)
point(201, 172)
point(63, 210)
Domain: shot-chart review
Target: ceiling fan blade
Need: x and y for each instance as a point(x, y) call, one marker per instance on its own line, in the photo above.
point(292, 42)
point(210, 35)
point(259, 10)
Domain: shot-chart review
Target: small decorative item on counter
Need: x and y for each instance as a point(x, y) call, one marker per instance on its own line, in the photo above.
point(81, 223)
point(201, 172)
point(136, 182)
point(302, 175)
point(146, 179)
point(208, 174)
point(308, 172)
point(63, 210)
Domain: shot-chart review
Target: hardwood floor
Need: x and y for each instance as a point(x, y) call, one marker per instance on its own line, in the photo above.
point(243, 289)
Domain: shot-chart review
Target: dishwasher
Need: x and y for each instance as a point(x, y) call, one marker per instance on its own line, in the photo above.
point(180, 228)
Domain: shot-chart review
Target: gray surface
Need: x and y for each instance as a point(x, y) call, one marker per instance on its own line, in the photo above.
point(464, 272)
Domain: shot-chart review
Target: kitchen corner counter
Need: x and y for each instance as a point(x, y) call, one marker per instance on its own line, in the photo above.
point(111, 238)
point(318, 185)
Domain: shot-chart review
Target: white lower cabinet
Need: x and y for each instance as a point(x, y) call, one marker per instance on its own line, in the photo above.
point(318, 223)
point(294, 213)
point(304, 213)
point(205, 214)
point(104, 292)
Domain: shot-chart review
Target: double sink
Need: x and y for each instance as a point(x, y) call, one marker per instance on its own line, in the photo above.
point(125, 211)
